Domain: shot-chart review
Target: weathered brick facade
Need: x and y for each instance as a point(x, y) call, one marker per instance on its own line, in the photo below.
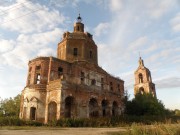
point(143, 80)
point(71, 85)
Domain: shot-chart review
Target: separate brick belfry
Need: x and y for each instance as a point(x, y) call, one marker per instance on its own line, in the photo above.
point(143, 80)
point(71, 85)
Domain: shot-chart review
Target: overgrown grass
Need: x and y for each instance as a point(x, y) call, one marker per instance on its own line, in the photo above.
point(156, 129)
point(93, 122)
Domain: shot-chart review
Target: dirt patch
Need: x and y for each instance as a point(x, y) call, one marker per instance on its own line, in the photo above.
point(63, 131)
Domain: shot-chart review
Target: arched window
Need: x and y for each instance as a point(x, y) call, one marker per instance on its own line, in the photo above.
point(140, 78)
point(93, 82)
point(141, 90)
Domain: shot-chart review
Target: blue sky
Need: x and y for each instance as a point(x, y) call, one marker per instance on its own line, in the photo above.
point(121, 29)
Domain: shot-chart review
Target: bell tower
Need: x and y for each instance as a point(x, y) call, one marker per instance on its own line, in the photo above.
point(78, 45)
point(143, 80)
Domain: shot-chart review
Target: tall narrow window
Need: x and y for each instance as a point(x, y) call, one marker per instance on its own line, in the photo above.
point(90, 54)
point(93, 82)
point(102, 83)
point(75, 53)
point(140, 78)
point(38, 78)
point(60, 71)
point(118, 87)
point(38, 75)
point(82, 77)
point(111, 86)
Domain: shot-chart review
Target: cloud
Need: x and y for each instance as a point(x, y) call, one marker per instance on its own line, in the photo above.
point(115, 5)
point(46, 52)
point(28, 46)
point(101, 28)
point(30, 17)
point(6, 45)
point(170, 82)
point(175, 23)
point(138, 43)
point(159, 8)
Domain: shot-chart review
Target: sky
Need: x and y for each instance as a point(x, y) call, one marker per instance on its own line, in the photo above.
point(120, 28)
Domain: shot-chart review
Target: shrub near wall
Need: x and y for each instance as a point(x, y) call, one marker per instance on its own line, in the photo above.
point(15, 121)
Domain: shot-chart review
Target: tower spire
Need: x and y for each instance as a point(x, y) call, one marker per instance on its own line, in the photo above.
point(79, 19)
point(141, 62)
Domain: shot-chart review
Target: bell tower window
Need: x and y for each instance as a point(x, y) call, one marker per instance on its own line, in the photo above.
point(140, 78)
point(75, 53)
point(38, 75)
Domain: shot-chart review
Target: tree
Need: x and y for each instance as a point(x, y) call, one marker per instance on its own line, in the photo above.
point(10, 107)
point(144, 104)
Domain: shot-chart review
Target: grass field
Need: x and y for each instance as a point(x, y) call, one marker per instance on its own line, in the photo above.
point(134, 129)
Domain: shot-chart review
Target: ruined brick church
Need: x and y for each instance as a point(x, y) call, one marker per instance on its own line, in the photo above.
point(71, 85)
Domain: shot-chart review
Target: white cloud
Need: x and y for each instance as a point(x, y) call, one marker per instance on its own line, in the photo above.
point(101, 28)
point(169, 82)
point(6, 45)
point(175, 23)
point(115, 5)
point(138, 43)
point(47, 52)
point(28, 46)
point(159, 8)
point(30, 17)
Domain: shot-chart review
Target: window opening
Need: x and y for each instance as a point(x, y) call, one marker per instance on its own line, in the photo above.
point(82, 77)
point(75, 52)
point(93, 82)
point(60, 71)
point(90, 54)
point(111, 86)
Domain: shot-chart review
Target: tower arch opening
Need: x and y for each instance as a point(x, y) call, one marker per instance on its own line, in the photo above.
point(140, 78)
point(104, 108)
point(69, 107)
point(93, 108)
point(114, 108)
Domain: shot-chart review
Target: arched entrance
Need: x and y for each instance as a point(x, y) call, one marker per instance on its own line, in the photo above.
point(52, 111)
point(114, 109)
point(93, 108)
point(104, 108)
point(69, 107)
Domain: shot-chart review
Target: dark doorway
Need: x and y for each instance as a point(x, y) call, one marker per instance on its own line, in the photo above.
point(69, 107)
point(93, 108)
point(104, 108)
point(114, 109)
point(33, 113)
